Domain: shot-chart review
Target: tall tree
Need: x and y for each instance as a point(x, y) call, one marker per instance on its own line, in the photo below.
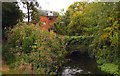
point(35, 15)
point(11, 14)
point(69, 23)
point(32, 11)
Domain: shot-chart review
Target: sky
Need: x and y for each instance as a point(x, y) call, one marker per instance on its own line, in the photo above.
point(52, 5)
point(55, 5)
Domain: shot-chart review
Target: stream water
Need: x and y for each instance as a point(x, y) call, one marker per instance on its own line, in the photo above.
point(80, 64)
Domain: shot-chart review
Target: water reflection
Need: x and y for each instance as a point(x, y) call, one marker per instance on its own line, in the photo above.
point(80, 64)
point(69, 70)
point(72, 71)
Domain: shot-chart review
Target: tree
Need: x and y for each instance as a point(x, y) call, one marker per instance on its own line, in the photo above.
point(101, 22)
point(32, 11)
point(11, 14)
point(69, 23)
point(35, 16)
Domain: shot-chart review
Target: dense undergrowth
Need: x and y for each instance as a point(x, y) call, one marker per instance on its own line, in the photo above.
point(30, 49)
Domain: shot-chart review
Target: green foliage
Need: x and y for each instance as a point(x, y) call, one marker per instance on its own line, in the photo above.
point(32, 10)
point(99, 20)
point(106, 39)
point(11, 14)
point(79, 43)
point(35, 49)
point(35, 16)
point(89, 25)
point(110, 68)
point(78, 39)
point(59, 26)
point(70, 22)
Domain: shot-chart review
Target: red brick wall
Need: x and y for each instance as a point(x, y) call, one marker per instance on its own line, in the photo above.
point(46, 22)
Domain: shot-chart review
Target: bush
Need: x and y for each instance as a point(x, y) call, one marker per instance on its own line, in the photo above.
point(110, 68)
point(106, 48)
point(37, 48)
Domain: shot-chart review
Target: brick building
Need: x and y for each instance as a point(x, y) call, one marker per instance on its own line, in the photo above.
point(47, 18)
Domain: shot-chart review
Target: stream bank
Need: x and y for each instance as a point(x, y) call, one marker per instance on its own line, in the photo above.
point(80, 64)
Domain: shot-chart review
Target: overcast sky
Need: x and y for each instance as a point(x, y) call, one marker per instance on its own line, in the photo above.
point(52, 5)
point(55, 5)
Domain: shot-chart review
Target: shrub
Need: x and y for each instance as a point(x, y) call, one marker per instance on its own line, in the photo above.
point(106, 48)
point(110, 68)
point(42, 50)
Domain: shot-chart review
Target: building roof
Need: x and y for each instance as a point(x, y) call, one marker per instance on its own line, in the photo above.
point(48, 13)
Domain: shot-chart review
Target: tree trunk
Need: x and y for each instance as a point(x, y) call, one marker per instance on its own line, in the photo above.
point(28, 11)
